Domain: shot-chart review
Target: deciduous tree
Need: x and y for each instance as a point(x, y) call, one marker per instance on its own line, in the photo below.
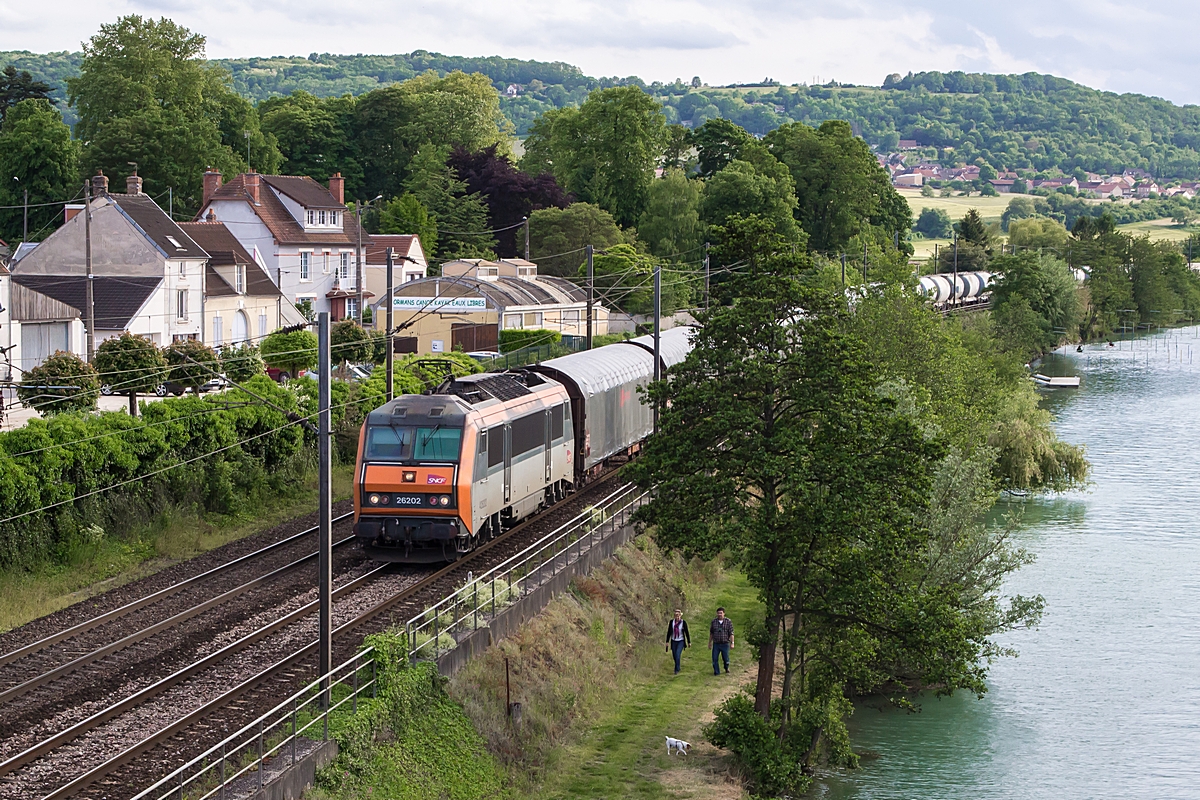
point(461, 216)
point(558, 236)
point(18, 86)
point(37, 149)
point(292, 352)
point(130, 364)
point(63, 382)
point(670, 224)
point(192, 363)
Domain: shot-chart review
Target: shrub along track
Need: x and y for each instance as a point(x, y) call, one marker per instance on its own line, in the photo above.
point(112, 756)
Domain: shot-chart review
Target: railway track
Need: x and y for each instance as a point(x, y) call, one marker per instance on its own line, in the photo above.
point(108, 752)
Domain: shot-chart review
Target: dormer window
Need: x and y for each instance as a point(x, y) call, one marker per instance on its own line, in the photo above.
point(310, 218)
point(239, 278)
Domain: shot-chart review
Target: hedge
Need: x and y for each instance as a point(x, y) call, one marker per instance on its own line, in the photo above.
point(100, 452)
point(519, 338)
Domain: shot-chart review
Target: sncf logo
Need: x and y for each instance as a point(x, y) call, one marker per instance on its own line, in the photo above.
point(435, 479)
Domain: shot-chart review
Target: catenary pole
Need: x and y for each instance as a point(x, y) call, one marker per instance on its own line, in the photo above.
point(657, 331)
point(389, 358)
point(25, 219)
point(526, 221)
point(589, 297)
point(954, 286)
point(324, 456)
point(707, 275)
point(87, 259)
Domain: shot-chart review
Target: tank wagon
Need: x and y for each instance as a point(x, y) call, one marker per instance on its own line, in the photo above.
point(968, 289)
point(439, 473)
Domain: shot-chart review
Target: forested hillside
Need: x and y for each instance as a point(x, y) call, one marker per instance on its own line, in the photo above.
point(1029, 121)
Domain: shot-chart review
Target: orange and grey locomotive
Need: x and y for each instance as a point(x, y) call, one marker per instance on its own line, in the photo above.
point(439, 473)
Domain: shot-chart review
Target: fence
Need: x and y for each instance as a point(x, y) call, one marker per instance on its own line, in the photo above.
point(269, 744)
point(433, 632)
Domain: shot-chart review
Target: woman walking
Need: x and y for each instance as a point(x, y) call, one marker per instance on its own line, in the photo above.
point(678, 637)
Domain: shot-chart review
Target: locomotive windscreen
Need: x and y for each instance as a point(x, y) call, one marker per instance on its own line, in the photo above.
point(437, 444)
point(385, 443)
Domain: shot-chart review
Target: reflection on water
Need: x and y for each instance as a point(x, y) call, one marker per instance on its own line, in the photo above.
point(1104, 700)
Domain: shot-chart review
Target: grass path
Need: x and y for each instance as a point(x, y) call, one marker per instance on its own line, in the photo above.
point(624, 754)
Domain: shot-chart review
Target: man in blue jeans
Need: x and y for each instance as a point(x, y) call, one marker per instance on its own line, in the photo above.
point(720, 640)
point(678, 637)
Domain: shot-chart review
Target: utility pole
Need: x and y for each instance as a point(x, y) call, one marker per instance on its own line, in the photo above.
point(657, 330)
point(589, 296)
point(526, 221)
point(389, 358)
point(707, 275)
point(325, 522)
point(87, 260)
point(25, 218)
point(171, 202)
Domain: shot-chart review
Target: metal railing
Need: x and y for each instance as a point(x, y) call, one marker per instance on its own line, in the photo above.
point(537, 354)
point(271, 741)
point(432, 632)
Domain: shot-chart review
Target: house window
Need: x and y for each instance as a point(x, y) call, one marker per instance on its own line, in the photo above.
point(216, 339)
point(345, 266)
point(320, 217)
point(352, 307)
point(333, 217)
point(533, 319)
point(239, 278)
point(310, 218)
point(181, 304)
point(183, 268)
point(306, 266)
point(512, 321)
point(325, 263)
point(262, 325)
point(570, 317)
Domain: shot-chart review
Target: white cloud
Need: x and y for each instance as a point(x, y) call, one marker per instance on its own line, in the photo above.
point(1118, 46)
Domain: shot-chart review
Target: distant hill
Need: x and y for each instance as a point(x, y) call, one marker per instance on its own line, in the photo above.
point(1031, 121)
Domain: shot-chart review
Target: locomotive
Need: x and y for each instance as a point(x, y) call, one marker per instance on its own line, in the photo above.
point(439, 473)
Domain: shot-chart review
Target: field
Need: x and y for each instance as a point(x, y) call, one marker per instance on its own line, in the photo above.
point(991, 209)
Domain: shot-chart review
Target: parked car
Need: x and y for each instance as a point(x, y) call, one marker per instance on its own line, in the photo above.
point(283, 375)
point(172, 388)
point(484, 356)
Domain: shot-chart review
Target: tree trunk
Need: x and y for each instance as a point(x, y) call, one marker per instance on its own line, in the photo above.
point(133, 404)
point(766, 672)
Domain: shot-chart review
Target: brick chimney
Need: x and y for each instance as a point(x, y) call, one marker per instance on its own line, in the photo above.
point(99, 184)
point(211, 216)
point(252, 186)
point(212, 182)
point(133, 184)
point(337, 188)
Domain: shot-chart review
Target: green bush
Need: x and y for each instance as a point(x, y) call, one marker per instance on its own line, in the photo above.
point(293, 351)
point(519, 338)
point(136, 467)
point(75, 379)
point(241, 363)
point(130, 363)
point(737, 727)
point(192, 362)
point(349, 342)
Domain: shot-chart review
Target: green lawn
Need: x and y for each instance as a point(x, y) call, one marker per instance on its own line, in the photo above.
point(990, 208)
point(624, 754)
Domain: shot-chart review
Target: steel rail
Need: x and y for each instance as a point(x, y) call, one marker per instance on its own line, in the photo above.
point(175, 678)
point(159, 737)
point(161, 594)
point(158, 627)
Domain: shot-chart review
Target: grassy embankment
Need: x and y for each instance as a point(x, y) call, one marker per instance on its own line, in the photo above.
point(597, 692)
point(174, 536)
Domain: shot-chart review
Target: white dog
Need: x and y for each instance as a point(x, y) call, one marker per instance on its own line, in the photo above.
point(677, 745)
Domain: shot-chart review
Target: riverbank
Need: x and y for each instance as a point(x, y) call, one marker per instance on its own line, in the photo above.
point(174, 536)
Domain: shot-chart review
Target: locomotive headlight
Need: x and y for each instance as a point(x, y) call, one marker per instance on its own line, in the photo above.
point(373, 499)
point(445, 500)
point(409, 477)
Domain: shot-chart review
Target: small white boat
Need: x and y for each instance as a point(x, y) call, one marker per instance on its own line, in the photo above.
point(1065, 382)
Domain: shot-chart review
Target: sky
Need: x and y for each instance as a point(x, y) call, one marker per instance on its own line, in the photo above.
point(1141, 47)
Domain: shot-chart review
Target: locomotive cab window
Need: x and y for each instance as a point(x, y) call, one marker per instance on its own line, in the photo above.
point(556, 422)
point(385, 443)
point(437, 444)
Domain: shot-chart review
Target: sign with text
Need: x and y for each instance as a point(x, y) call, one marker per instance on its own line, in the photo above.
point(445, 303)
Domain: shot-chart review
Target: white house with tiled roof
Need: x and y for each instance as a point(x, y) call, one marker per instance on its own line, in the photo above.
point(299, 229)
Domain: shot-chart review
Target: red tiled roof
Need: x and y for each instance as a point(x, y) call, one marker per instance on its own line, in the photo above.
point(375, 250)
point(279, 221)
point(304, 190)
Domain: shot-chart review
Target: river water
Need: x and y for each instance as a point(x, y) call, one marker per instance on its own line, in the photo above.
point(1104, 699)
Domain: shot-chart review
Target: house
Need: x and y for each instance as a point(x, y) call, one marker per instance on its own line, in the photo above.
point(35, 326)
point(300, 229)
point(909, 179)
point(513, 89)
point(1003, 185)
point(1146, 188)
point(241, 301)
point(474, 299)
point(148, 273)
point(1109, 189)
point(908, 144)
point(408, 261)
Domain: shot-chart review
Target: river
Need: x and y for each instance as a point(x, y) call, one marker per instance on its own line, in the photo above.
point(1104, 699)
